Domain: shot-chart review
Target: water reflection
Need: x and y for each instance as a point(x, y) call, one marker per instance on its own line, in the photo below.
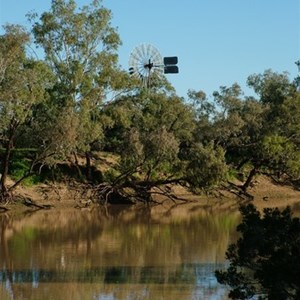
point(124, 253)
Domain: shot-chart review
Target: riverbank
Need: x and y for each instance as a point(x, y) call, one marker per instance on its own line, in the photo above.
point(59, 196)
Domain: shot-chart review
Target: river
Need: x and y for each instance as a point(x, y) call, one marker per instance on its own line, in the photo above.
point(115, 253)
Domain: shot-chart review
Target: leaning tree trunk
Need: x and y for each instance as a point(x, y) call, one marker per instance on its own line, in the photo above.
point(247, 183)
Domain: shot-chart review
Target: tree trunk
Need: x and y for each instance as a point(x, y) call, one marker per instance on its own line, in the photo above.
point(75, 158)
point(247, 183)
point(5, 168)
point(76, 164)
point(88, 166)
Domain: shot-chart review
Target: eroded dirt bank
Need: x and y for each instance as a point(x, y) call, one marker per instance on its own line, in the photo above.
point(60, 196)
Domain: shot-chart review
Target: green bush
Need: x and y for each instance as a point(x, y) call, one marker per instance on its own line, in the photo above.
point(19, 169)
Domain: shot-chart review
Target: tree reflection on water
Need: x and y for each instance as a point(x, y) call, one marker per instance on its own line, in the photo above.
point(128, 254)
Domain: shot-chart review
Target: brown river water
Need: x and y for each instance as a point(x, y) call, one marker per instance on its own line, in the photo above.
point(115, 253)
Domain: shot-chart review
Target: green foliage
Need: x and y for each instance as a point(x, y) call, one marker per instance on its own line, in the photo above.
point(206, 167)
point(81, 47)
point(110, 175)
point(147, 112)
point(263, 133)
point(265, 260)
point(289, 122)
point(23, 85)
point(282, 154)
point(147, 130)
point(19, 170)
point(22, 81)
point(273, 88)
point(150, 154)
point(161, 150)
point(133, 156)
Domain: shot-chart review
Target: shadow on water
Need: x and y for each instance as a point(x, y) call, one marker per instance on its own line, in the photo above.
point(119, 253)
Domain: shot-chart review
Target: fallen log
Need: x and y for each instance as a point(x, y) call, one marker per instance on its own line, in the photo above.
point(28, 202)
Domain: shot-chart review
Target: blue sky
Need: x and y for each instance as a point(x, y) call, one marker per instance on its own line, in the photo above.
point(218, 42)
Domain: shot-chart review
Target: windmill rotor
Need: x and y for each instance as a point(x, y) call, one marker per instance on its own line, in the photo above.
point(144, 62)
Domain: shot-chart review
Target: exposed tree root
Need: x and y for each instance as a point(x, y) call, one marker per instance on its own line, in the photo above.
point(239, 191)
point(127, 193)
point(3, 209)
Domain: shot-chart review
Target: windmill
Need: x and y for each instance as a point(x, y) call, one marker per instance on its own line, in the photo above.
point(146, 61)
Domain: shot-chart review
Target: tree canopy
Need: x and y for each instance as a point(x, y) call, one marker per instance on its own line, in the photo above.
point(23, 85)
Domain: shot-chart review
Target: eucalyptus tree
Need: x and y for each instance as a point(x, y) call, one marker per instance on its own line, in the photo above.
point(23, 83)
point(281, 144)
point(229, 122)
point(277, 151)
point(257, 135)
point(272, 87)
point(81, 46)
point(148, 131)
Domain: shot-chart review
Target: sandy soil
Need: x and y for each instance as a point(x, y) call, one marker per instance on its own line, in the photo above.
point(265, 193)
